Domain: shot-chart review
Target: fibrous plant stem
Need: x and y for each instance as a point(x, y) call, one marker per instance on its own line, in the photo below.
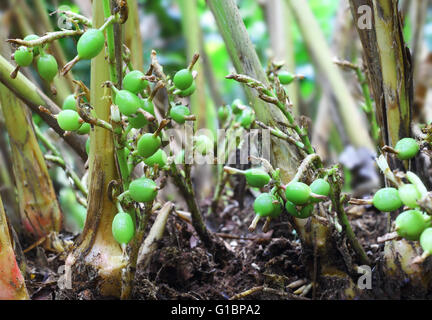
point(394, 70)
point(388, 68)
point(96, 246)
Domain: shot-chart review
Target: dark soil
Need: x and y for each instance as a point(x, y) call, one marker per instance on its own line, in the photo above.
point(181, 268)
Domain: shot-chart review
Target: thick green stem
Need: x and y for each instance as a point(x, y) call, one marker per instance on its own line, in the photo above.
point(389, 67)
point(96, 246)
point(113, 40)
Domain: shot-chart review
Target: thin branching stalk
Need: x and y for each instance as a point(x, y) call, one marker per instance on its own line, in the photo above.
point(338, 204)
point(47, 38)
point(368, 106)
point(184, 184)
point(69, 172)
point(57, 158)
point(22, 15)
point(221, 176)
